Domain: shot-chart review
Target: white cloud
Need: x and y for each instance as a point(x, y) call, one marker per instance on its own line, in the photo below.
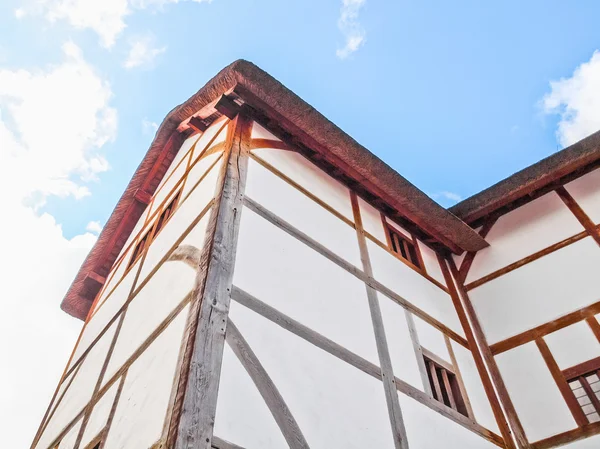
point(348, 24)
point(94, 227)
point(142, 52)
point(105, 17)
point(446, 198)
point(149, 127)
point(53, 123)
point(577, 101)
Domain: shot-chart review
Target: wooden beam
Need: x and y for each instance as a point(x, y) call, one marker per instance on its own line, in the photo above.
point(594, 326)
point(197, 124)
point(459, 378)
point(569, 436)
point(412, 330)
point(385, 361)
point(467, 261)
point(561, 383)
point(581, 369)
point(198, 408)
point(451, 275)
point(581, 216)
point(226, 106)
point(267, 389)
point(142, 196)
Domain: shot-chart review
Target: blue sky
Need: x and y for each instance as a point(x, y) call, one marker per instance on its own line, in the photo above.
point(453, 95)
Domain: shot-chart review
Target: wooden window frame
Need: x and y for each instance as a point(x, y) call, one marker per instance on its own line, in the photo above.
point(580, 373)
point(403, 247)
point(445, 383)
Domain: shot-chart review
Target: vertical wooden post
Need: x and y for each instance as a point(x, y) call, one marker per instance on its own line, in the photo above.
point(387, 373)
point(193, 417)
point(481, 352)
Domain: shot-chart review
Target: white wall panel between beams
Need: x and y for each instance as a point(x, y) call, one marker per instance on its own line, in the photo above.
point(588, 443)
point(371, 220)
point(80, 391)
point(68, 441)
point(573, 345)
point(586, 192)
point(242, 415)
point(335, 404)
point(199, 169)
point(402, 352)
point(142, 407)
point(136, 229)
point(432, 265)
point(293, 278)
point(208, 135)
point(539, 292)
point(166, 191)
point(484, 415)
point(312, 178)
point(396, 226)
point(114, 277)
point(165, 290)
point(413, 287)
point(176, 163)
point(290, 204)
point(99, 416)
point(258, 132)
point(538, 401)
point(105, 313)
point(427, 429)
point(432, 339)
point(524, 231)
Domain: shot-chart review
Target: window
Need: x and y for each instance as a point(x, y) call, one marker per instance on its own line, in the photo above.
point(444, 385)
point(145, 241)
point(584, 381)
point(402, 247)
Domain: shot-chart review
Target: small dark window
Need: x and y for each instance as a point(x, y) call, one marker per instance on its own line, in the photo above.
point(444, 386)
point(584, 381)
point(403, 247)
point(139, 247)
point(167, 212)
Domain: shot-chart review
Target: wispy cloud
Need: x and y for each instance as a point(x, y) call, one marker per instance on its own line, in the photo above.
point(351, 28)
point(577, 101)
point(446, 198)
point(142, 52)
point(149, 127)
point(94, 227)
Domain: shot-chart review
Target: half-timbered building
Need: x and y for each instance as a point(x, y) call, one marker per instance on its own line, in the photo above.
point(266, 282)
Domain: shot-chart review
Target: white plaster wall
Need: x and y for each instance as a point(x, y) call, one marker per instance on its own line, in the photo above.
point(68, 441)
point(303, 213)
point(165, 290)
point(399, 228)
point(136, 229)
point(115, 276)
point(402, 352)
point(80, 391)
point(588, 443)
point(61, 389)
point(484, 415)
point(207, 135)
point(539, 404)
point(524, 231)
point(586, 192)
point(432, 339)
point(432, 265)
point(170, 187)
point(413, 287)
point(573, 345)
point(243, 417)
point(99, 416)
point(142, 407)
point(427, 429)
point(539, 292)
point(371, 220)
point(335, 404)
point(312, 178)
point(258, 132)
point(199, 169)
point(299, 282)
point(178, 160)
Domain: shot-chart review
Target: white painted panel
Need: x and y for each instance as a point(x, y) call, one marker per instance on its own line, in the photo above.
point(142, 407)
point(484, 415)
point(114, 278)
point(524, 231)
point(105, 313)
point(539, 404)
point(61, 389)
point(413, 287)
point(432, 339)
point(136, 229)
point(335, 404)
point(312, 178)
point(586, 191)
point(588, 443)
point(402, 352)
point(68, 441)
point(169, 188)
point(80, 391)
point(458, 260)
point(258, 132)
point(99, 415)
point(243, 417)
point(178, 160)
point(432, 265)
point(179, 222)
point(293, 278)
point(573, 345)
point(296, 208)
point(163, 292)
point(371, 220)
point(399, 228)
point(206, 137)
point(427, 429)
point(199, 169)
point(539, 292)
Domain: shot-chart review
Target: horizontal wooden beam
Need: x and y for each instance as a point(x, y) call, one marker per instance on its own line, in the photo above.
point(226, 106)
point(197, 124)
point(142, 196)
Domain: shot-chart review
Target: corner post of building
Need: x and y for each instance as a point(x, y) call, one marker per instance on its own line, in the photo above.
point(193, 416)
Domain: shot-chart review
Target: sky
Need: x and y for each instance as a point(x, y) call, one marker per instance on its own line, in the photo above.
point(454, 95)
